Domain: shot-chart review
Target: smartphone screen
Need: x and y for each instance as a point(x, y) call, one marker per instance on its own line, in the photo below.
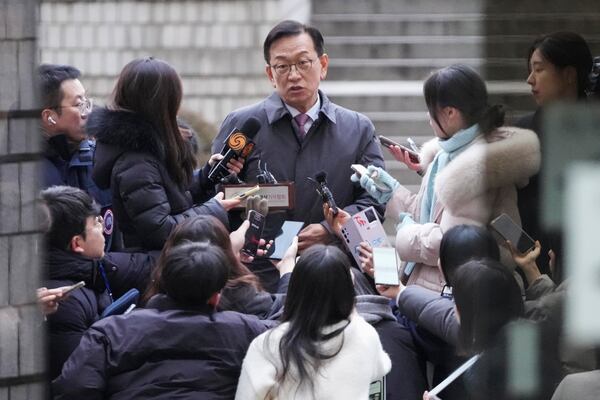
point(284, 239)
point(254, 232)
point(386, 267)
point(509, 230)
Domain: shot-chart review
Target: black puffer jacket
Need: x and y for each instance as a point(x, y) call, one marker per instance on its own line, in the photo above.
point(406, 380)
point(147, 203)
point(77, 312)
point(162, 352)
point(247, 299)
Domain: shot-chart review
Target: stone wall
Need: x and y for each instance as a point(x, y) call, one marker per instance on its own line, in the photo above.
point(21, 326)
point(216, 46)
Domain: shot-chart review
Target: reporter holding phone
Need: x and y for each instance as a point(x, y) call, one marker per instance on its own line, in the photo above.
point(75, 246)
point(472, 170)
point(559, 67)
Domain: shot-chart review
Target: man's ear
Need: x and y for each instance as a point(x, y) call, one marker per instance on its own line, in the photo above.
point(324, 60)
point(269, 72)
point(214, 299)
point(49, 118)
point(75, 244)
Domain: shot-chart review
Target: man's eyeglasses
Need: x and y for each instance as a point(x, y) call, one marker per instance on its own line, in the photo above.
point(301, 66)
point(99, 220)
point(84, 106)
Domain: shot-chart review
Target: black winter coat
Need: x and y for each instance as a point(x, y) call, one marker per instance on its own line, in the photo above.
point(163, 352)
point(147, 202)
point(406, 380)
point(77, 312)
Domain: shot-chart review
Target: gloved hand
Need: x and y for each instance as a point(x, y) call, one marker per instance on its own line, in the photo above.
point(405, 219)
point(256, 203)
point(383, 189)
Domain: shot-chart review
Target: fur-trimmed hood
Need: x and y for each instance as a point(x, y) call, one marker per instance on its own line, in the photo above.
point(126, 130)
point(506, 156)
point(117, 132)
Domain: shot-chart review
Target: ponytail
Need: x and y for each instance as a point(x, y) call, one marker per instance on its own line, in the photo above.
point(492, 118)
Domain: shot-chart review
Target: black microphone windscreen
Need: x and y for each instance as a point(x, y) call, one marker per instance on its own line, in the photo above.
point(251, 127)
point(321, 176)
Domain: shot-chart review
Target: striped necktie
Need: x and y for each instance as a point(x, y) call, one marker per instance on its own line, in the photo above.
point(301, 120)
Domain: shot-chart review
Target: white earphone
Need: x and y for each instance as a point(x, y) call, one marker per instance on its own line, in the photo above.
point(51, 120)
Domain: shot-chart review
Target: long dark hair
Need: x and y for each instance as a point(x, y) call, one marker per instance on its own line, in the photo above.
point(462, 243)
point(202, 228)
point(320, 293)
point(152, 89)
point(566, 49)
point(487, 297)
point(459, 86)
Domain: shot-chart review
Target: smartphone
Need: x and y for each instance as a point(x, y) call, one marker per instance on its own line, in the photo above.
point(284, 239)
point(386, 266)
point(69, 289)
point(509, 230)
point(254, 232)
point(386, 142)
point(247, 193)
point(361, 170)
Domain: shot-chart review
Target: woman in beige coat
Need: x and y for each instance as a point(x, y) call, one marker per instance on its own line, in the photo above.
point(472, 170)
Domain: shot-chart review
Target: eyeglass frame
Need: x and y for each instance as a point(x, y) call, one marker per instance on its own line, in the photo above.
point(98, 219)
point(86, 102)
point(289, 66)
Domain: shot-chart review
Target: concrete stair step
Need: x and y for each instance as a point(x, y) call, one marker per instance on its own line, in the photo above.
point(420, 68)
point(397, 107)
point(386, 47)
point(450, 6)
point(416, 124)
point(397, 24)
point(387, 6)
point(390, 47)
point(417, 103)
point(403, 24)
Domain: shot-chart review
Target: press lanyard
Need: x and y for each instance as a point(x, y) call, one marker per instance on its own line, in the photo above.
point(105, 279)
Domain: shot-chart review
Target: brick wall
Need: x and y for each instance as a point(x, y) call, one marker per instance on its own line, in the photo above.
point(216, 46)
point(21, 325)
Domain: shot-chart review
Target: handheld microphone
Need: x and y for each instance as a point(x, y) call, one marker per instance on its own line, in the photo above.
point(238, 144)
point(323, 190)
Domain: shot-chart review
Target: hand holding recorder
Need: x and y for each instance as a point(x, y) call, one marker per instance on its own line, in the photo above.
point(335, 221)
point(324, 192)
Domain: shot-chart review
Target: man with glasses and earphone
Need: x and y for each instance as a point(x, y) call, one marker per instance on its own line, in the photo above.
point(68, 153)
